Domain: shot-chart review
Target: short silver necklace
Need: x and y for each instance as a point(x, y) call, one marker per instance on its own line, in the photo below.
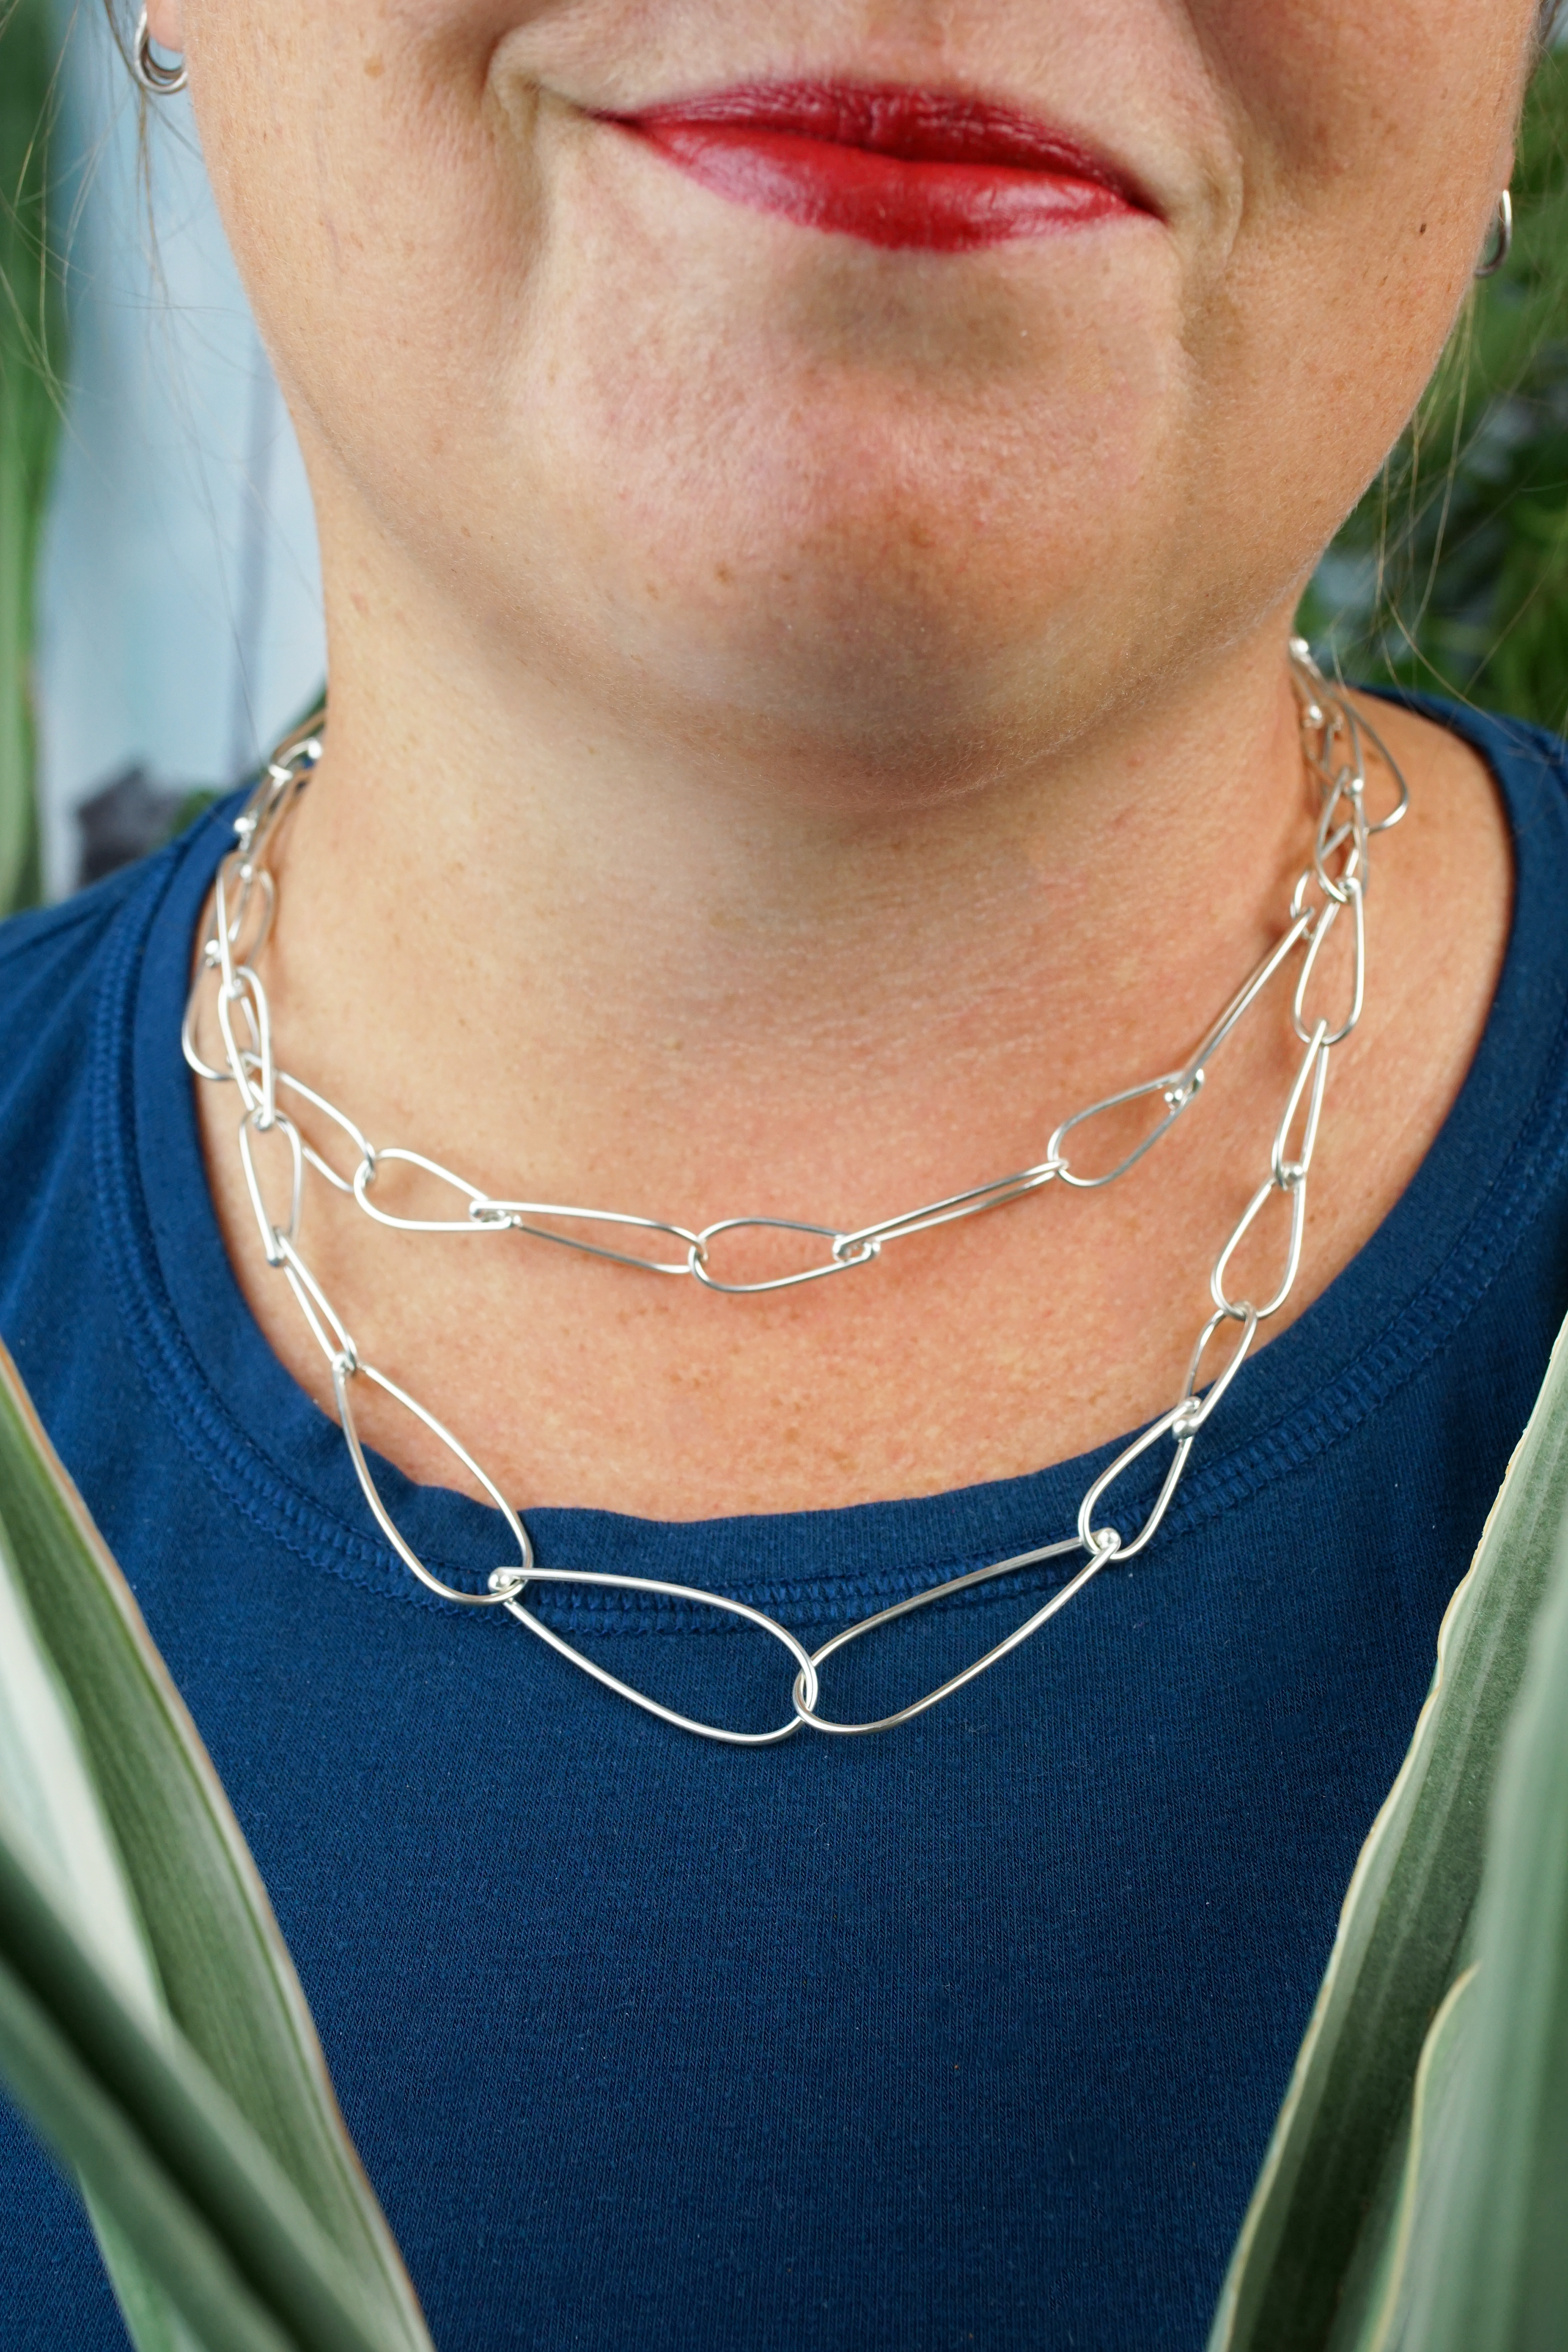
point(229, 983)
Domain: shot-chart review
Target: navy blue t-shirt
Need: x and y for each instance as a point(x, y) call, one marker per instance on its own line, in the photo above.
point(970, 2033)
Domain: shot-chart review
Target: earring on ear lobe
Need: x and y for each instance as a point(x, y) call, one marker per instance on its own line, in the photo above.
point(153, 74)
point(1500, 243)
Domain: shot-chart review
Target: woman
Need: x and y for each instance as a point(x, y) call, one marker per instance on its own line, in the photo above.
point(812, 501)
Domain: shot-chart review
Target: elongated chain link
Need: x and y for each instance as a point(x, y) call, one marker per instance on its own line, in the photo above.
point(274, 1158)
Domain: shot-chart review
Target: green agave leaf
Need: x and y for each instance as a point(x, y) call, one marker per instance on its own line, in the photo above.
point(1377, 2305)
point(49, 1813)
point(1488, 2265)
point(194, 2196)
point(91, 2135)
point(239, 2032)
point(1316, 2262)
point(49, 1805)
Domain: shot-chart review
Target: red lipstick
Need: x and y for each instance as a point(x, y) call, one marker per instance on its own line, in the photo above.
point(893, 165)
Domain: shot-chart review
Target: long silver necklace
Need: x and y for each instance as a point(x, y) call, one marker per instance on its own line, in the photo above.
point(242, 906)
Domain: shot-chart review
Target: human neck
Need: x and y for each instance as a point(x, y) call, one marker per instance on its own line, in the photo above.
point(576, 964)
point(760, 977)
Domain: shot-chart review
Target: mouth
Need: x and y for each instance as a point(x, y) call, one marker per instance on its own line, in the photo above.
point(892, 165)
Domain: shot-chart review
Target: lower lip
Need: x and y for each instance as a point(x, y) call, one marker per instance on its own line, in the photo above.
point(931, 204)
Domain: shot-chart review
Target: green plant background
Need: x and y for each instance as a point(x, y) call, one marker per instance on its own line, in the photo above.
point(31, 330)
point(1452, 573)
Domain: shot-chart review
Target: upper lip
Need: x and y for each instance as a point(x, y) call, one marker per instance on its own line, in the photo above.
point(899, 120)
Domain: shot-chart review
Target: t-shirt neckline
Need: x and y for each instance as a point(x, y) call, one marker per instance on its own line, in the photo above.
point(284, 1468)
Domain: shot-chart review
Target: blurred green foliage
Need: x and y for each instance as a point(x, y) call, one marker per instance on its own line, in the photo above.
point(1452, 573)
point(31, 328)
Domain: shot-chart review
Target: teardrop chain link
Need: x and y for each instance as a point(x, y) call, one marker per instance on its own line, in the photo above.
point(274, 1156)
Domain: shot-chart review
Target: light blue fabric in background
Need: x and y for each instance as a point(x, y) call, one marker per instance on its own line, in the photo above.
point(179, 625)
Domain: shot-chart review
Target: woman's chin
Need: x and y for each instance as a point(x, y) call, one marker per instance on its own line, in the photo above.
point(848, 676)
point(817, 562)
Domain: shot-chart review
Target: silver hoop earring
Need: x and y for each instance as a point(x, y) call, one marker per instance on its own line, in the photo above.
point(1500, 243)
point(153, 74)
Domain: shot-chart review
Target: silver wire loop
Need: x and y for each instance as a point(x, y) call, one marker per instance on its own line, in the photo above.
point(1246, 996)
point(806, 1675)
point(204, 970)
point(1108, 1539)
point(943, 1213)
point(485, 1215)
point(1296, 1196)
point(805, 1701)
point(158, 80)
point(838, 1261)
point(520, 1216)
point(1500, 240)
point(242, 906)
point(333, 1341)
point(1313, 1073)
point(1324, 924)
point(346, 1369)
point(1194, 1410)
point(370, 1168)
point(1177, 1089)
point(273, 1235)
point(366, 1158)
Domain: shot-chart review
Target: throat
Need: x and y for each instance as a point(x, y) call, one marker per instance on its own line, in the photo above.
point(872, 1234)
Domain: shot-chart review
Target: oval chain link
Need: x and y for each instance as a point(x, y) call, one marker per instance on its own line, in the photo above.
point(244, 905)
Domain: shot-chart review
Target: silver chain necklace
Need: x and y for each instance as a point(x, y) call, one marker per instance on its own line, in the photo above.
point(242, 906)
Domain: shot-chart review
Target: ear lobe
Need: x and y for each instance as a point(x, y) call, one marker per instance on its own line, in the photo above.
point(166, 23)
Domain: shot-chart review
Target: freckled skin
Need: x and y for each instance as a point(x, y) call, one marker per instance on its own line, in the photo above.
point(864, 668)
